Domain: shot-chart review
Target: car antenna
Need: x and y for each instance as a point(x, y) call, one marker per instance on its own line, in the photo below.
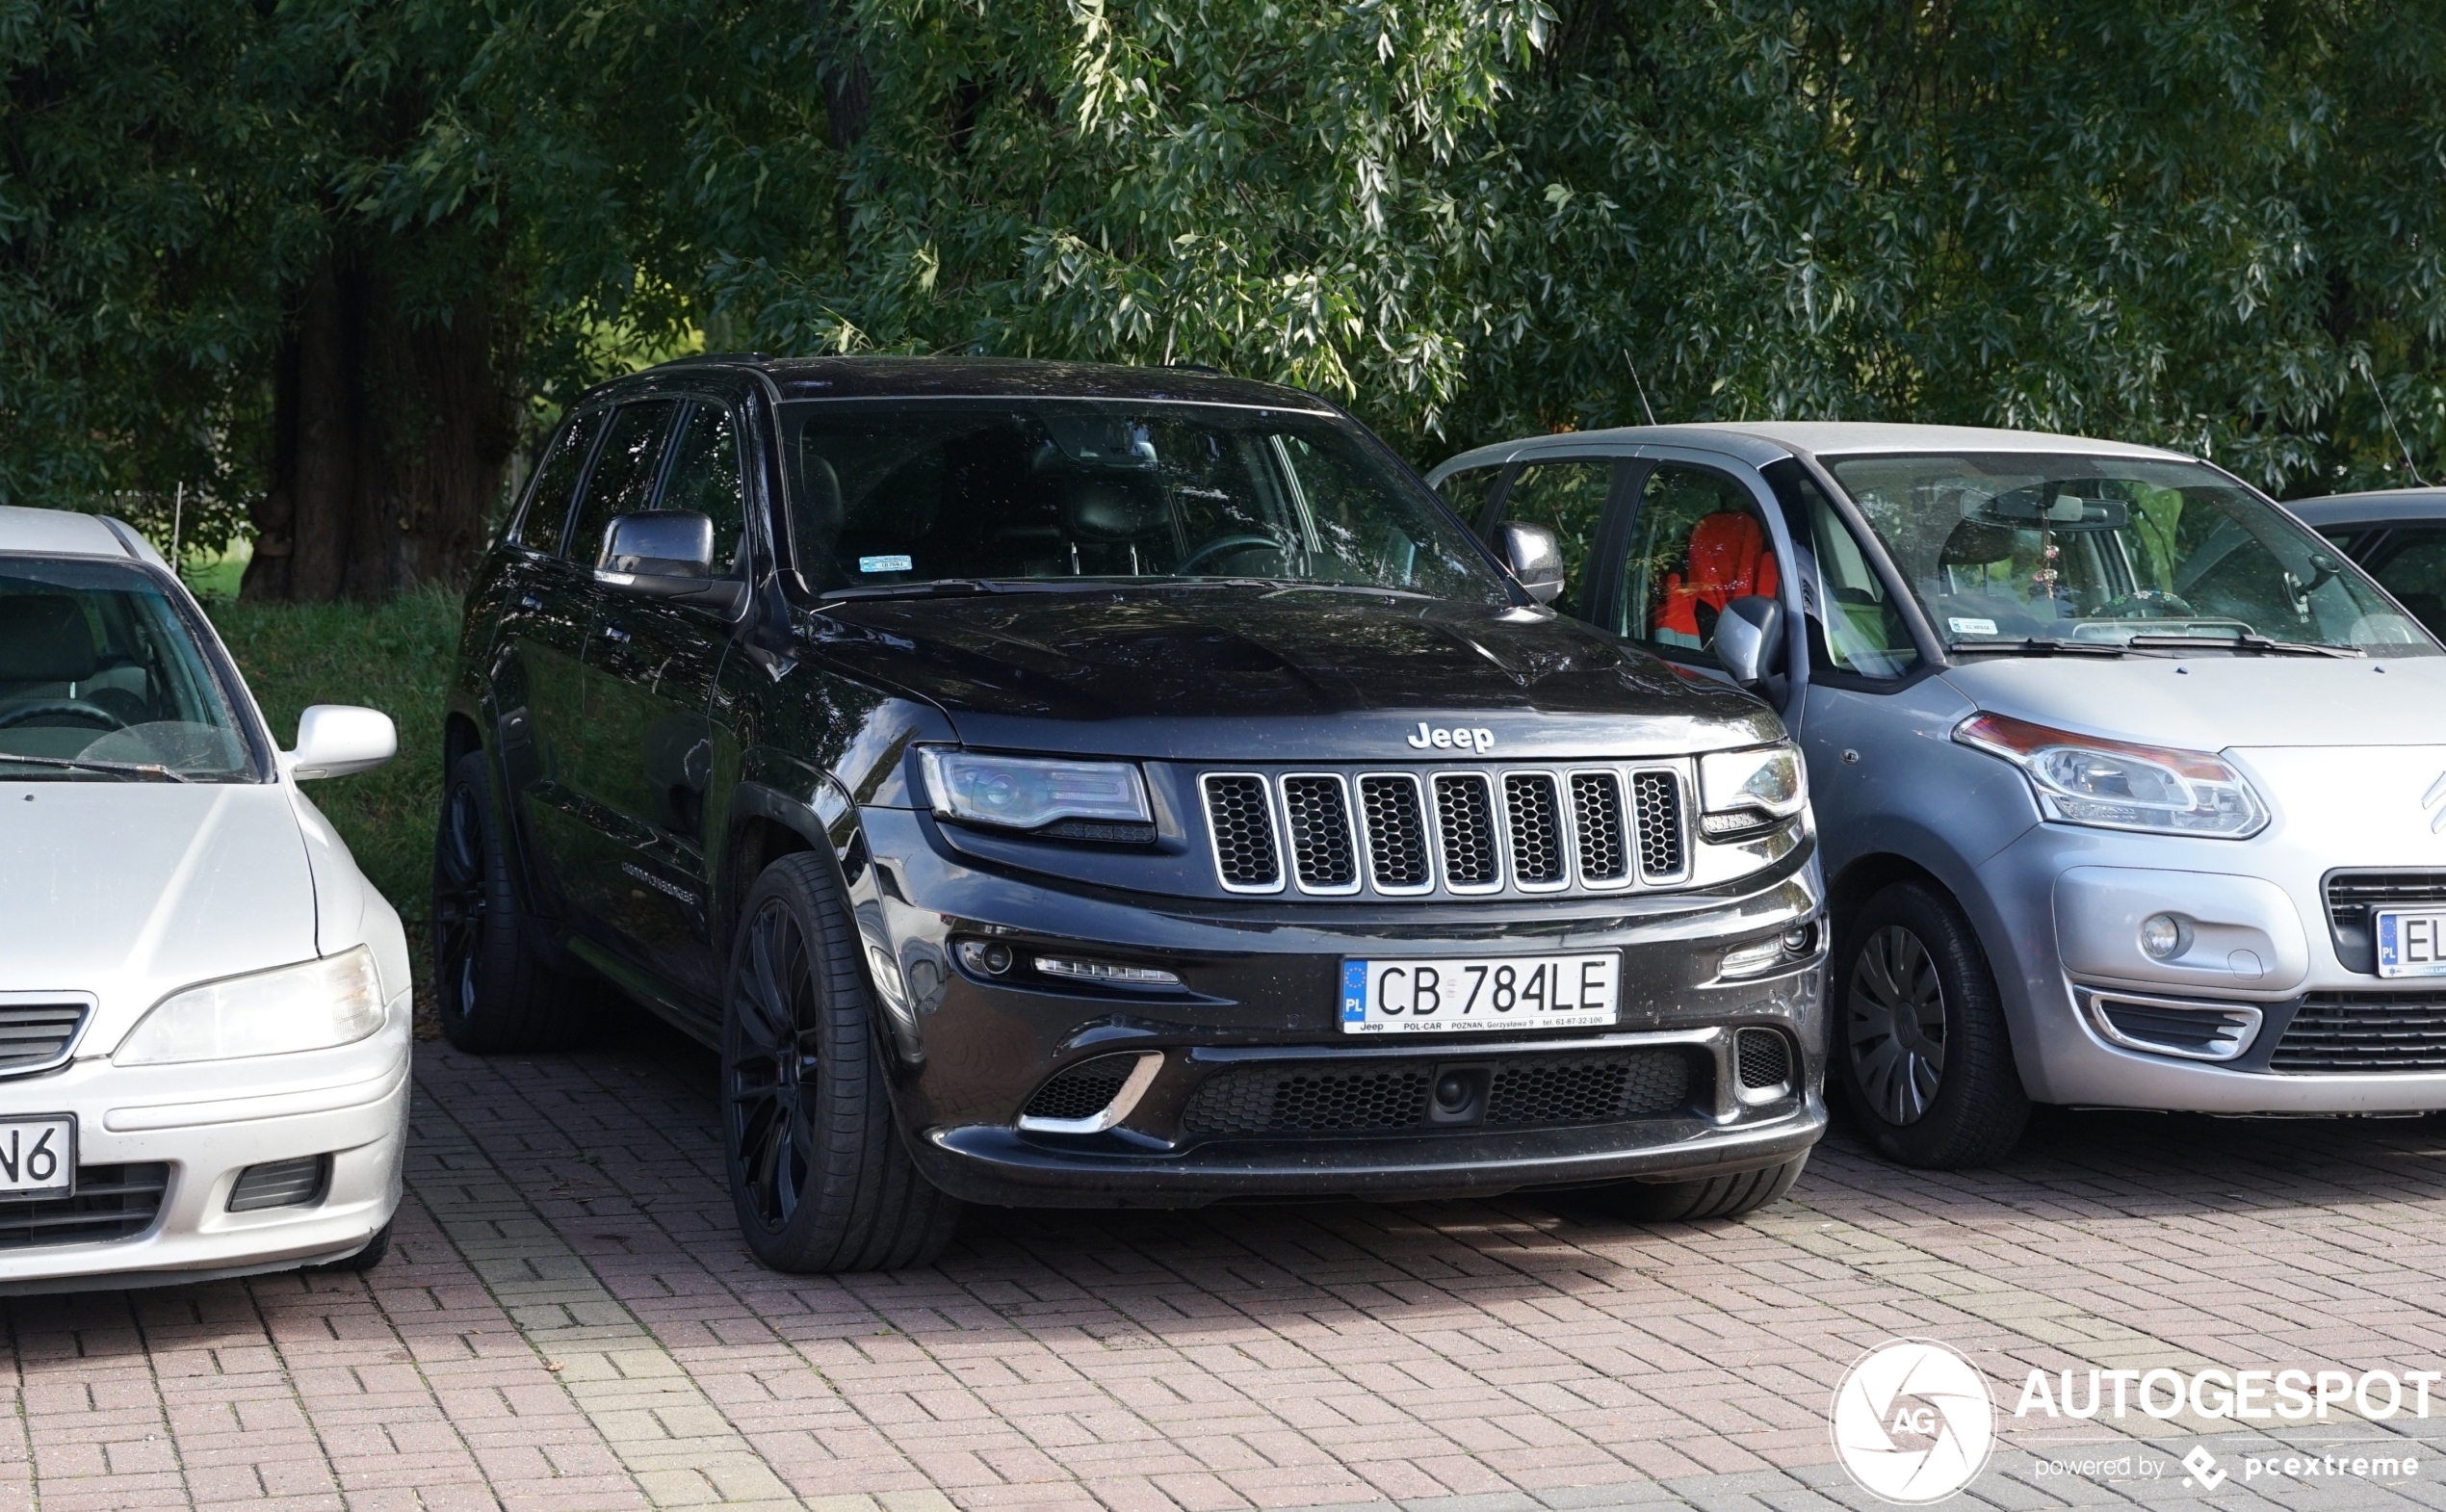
point(1642, 387)
point(2379, 395)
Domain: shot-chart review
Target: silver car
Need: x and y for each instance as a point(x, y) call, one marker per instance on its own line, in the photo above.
point(2132, 790)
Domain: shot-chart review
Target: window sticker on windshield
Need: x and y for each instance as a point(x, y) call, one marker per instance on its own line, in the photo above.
point(1972, 627)
point(883, 564)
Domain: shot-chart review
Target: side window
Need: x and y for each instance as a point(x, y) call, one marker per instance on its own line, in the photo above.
point(705, 477)
point(622, 479)
point(1465, 492)
point(1698, 542)
point(564, 458)
point(1854, 625)
point(2414, 570)
point(1568, 499)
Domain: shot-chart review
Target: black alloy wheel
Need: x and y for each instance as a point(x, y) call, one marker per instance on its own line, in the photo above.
point(1921, 1050)
point(818, 1172)
point(496, 994)
point(1894, 1020)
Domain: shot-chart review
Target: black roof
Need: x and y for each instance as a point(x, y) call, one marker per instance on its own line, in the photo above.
point(998, 378)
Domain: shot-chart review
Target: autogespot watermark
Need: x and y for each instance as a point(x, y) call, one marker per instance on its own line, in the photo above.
point(1914, 1421)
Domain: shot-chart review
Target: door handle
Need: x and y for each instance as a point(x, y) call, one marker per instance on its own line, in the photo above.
point(530, 602)
point(616, 635)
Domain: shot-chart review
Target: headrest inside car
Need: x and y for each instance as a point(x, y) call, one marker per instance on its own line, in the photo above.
point(44, 638)
point(1111, 508)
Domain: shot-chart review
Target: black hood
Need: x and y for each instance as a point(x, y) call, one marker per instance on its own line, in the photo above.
point(1256, 675)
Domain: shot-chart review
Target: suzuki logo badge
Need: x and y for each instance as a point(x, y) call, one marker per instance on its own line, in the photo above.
point(2435, 801)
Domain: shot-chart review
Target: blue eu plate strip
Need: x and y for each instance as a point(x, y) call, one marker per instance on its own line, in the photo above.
point(1354, 992)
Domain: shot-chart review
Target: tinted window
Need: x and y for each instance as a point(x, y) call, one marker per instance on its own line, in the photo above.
point(96, 664)
point(1698, 542)
point(2414, 570)
point(621, 480)
point(1568, 499)
point(556, 481)
point(705, 477)
point(910, 493)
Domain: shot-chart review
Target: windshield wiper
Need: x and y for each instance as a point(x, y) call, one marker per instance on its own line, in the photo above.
point(120, 769)
point(2039, 646)
point(935, 587)
point(2262, 645)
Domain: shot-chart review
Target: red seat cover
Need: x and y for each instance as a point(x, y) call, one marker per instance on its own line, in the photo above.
point(1728, 560)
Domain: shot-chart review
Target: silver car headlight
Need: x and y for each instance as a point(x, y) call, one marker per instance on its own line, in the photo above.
point(2087, 779)
point(312, 1006)
point(1035, 793)
point(1746, 790)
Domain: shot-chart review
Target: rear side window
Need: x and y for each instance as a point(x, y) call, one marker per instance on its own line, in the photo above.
point(1568, 499)
point(1699, 542)
point(705, 477)
point(2414, 570)
point(621, 480)
point(1467, 492)
point(556, 481)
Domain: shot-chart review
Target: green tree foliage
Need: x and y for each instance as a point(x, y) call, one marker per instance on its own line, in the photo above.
point(2216, 226)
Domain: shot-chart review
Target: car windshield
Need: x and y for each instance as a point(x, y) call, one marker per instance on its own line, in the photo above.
point(895, 497)
point(2012, 549)
point(101, 680)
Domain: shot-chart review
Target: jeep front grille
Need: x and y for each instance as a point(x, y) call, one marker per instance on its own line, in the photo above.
point(1464, 833)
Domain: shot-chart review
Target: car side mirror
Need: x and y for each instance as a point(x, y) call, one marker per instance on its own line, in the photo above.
point(1535, 557)
point(1749, 640)
point(666, 554)
point(335, 739)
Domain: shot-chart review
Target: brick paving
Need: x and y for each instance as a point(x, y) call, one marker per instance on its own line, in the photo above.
point(567, 1321)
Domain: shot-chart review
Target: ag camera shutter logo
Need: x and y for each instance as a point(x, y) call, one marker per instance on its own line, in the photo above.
point(1914, 1421)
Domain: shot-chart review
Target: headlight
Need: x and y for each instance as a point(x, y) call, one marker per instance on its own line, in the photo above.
point(1744, 789)
point(1033, 793)
point(2085, 779)
point(336, 1001)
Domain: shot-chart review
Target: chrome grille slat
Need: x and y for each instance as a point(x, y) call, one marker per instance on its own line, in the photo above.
point(37, 1036)
point(1465, 829)
point(1656, 798)
point(1533, 811)
point(1239, 818)
point(1317, 809)
point(1596, 820)
point(1398, 860)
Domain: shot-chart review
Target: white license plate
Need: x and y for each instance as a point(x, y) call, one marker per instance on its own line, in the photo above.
point(37, 1156)
point(2411, 945)
point(1463, 995)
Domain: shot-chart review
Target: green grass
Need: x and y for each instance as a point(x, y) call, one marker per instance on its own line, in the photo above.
point(394, 657)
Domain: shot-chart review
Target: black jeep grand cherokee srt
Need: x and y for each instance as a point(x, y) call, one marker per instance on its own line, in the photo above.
point(1069, 785)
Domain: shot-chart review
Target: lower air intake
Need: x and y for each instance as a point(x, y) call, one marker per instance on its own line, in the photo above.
point(1525, 1091)
point(1763, 1058)
point(298, 1182)
point(2368, 1031)
point(1083, 1091)
point(112, 1202)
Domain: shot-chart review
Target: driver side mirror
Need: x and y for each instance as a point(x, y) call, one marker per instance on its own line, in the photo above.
point(1535, 557)
point(666, 554)
point(337, 740)
point(1749, 640)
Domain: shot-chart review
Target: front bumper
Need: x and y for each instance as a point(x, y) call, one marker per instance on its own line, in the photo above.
point(2056, 908)
point(197, 1127)
point(1258, 1002)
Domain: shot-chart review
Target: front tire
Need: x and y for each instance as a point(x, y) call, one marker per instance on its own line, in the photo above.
point(1712, 1197)
point(497, 993)
point(1921, 1045)
point(817, 1171)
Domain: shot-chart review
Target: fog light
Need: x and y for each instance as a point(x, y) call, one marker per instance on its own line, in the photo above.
point(1105, 972)
point(993, 958)
point(2162, 936)
point(1800, 939)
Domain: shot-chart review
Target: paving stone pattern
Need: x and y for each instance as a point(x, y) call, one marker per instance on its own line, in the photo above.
point(567, 1320)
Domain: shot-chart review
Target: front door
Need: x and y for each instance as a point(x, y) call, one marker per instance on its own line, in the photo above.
point(1570, 496)
point(650, 669)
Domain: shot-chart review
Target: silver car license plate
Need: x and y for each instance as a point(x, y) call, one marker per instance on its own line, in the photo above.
point(2410, 944)
point(37, 1156)
point(1465, 994)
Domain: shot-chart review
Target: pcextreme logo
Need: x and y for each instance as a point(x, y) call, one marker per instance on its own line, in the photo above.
point(1914, 1421)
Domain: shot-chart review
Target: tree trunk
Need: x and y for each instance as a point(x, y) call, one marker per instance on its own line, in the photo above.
point(390, 435)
